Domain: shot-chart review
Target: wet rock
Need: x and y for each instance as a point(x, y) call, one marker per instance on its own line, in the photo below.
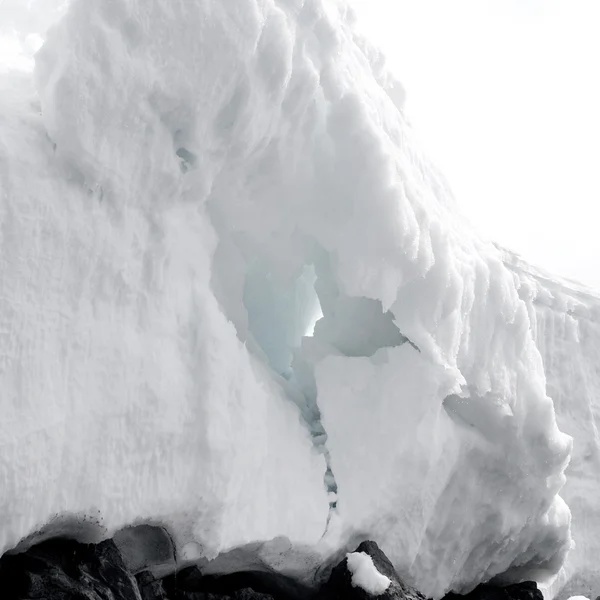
point(63, 569)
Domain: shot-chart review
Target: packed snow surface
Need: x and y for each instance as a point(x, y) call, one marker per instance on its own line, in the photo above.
point(365, 575)
point(190, 186)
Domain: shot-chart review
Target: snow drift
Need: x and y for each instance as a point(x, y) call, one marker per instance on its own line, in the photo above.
point(200, 183)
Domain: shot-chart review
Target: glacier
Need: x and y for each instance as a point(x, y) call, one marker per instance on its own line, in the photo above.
point(238, 300)
point(565, 317)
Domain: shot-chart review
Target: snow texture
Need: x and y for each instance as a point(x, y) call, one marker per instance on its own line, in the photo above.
point(566, 325)
point(365, 575)
point(188, 187)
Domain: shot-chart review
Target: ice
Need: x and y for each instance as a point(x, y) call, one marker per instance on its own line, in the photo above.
point(279, 319)
point(365, 575)
point(186, 190)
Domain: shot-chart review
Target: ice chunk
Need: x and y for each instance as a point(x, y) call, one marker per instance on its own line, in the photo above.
point(365, 575)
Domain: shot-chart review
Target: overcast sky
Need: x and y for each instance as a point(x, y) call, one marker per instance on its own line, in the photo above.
point(505, 95)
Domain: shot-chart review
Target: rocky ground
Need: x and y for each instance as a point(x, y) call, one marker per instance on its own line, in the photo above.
point(62, 569)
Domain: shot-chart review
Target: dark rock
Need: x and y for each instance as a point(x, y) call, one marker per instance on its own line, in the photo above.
point(250, 594)
point(190, 584)
point(188, 579)
point(527, 590)
point(145, 546)
point(63, 569)
point(150, 587)
point(144, 578)
point(339, 586)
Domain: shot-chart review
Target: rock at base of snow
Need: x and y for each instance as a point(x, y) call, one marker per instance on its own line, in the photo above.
point(191, 584)
point(150, 588)
point(356, 579)
point(527, 590)
point(63, 569)
point(145, 546)
point(58, 569)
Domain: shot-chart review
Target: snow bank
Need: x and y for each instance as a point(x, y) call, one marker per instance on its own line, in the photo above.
point(126, 393)
point(566, 324)
point(214, 177)
point(365, 575)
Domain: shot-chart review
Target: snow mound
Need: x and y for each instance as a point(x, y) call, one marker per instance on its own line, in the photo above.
point(205, 181)
point(365, 575)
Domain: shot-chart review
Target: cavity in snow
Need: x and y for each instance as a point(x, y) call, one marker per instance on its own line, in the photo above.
point(365, 575)
point(279, 317)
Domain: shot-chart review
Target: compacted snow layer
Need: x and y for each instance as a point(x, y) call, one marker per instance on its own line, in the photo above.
point(205, 180)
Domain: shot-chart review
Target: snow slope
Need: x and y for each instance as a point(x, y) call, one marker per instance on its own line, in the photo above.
point(204, 181)
point(566, 324)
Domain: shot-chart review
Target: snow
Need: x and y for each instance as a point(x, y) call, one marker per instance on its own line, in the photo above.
point(185, 190)
point(126, 393)
point(365, 575)
point(566, 324)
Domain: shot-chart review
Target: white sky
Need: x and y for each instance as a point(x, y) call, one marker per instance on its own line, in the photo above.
point(505, 96)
